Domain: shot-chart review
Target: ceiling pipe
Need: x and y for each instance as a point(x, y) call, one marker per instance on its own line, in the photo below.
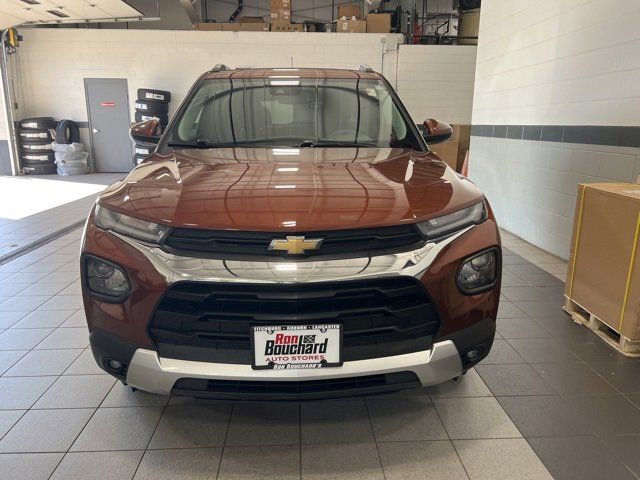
point(193, 13)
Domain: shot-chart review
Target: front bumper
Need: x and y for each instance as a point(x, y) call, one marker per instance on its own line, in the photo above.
point(152, 374)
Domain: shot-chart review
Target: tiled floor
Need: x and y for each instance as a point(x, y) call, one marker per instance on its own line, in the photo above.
point(48, 204)
point(550, 401)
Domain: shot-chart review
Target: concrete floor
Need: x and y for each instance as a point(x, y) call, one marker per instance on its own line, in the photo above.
point(551, 401)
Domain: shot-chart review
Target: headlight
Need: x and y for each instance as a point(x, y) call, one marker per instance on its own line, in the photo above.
point(447, 224)
point(106, 280)
point(479, 273)
point(129, 226)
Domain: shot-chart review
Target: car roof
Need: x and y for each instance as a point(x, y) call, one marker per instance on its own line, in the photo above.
point(292, 72)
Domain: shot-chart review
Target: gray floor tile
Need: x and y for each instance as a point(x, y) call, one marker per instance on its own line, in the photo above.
point(38, 363)
point(466, 418)
point(45, 431)
point(22, 392)
point(78, 319)
point(431, 460)
point(352, 461)
point(8, 419)
point(8, 319)
point(122, 396)
point(521, 328)
point(502, 353)
point(260, 463)
point(573, 378)
point(66, 338)
point(62, 302)
point(516, 294)
point(542, 280)
point(11, 289)
point(635, 398)
point(512, 280)
point(19, 303)
point(336, 421)
point(584, 458)
point(181, 464)
point(8, 358)
point(544, 416)
point(521, 379)
point(563, 327)
point(626, 448)
point(44, 288)
point(44, 319)
point(118, 429)
point(544, 350)
point(28, 466)
point(509, 310)
point(22, 339)
point(405, 420)
point(595, 351)
point(63, 276)
point(85, 364)
point(75, 288)
point(625, 376)
point(97, 466)
point(192, 426)
point(526, 269)
point(544, 308)
point(469, 385)
point(607, 414)
point(264, 423)
point(500, 459)
point(76, 391)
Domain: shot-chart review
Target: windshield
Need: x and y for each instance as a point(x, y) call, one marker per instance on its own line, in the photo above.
point(293, 112)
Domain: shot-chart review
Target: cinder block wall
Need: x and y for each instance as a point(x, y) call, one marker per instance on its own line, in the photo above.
point(433, 81)
point(556, 103)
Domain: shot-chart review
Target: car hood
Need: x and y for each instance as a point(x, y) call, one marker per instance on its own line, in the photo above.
point(288, 189)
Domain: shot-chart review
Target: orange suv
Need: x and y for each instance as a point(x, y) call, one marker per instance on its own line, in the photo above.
point(292, 236)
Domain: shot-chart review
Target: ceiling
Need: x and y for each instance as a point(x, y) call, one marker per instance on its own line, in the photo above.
point(17, 12)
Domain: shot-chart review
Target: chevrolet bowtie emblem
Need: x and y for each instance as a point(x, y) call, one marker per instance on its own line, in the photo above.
point(295, 245)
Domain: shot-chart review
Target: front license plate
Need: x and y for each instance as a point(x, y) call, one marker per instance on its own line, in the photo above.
point(291, 347)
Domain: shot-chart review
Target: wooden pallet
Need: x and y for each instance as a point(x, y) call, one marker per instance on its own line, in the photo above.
point(581, 315)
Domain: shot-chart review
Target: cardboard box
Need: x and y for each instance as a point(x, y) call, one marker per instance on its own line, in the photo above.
point(379, 23)
point(604, 262)
point(231, 27)
point(251, 20)
point(212, 27)
point(285, 26)
point(351, 26)
point(453, 151)
point(349, 10)
point(280, 10)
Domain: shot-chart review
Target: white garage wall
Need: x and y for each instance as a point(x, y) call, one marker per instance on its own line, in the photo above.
point(54, 63)
point(437, 81)
point(545, 70)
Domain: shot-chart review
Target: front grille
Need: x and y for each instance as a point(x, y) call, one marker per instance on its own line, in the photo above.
point(295, 390)
point(255, 245)
point(211, 322)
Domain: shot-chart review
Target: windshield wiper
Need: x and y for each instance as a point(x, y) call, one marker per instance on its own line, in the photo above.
point(327, 143)
point(200, 144)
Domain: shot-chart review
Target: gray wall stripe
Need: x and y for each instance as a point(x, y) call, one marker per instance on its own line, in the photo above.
point(585, 134)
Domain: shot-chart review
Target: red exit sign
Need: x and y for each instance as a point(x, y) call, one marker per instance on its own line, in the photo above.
point(108, 104)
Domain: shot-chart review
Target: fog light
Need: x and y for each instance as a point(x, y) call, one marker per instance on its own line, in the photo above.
point(479, 273)
point(106, 280)
point(473, 354)
point(114, 365)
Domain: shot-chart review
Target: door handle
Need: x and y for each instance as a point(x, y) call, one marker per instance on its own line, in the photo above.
point(95, 130)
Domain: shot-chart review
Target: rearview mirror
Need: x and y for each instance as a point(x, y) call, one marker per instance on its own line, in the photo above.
point(436, 132)
point(146, 132)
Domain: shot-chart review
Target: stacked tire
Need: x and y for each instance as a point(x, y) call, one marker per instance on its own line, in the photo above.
point(35, 136)
point(150, 104)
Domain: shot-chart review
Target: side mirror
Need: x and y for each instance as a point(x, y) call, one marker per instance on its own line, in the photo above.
point(146, 132)
point(436, 132)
